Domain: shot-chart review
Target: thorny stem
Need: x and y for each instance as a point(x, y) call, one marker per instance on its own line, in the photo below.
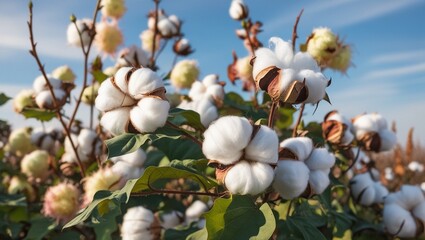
point(34, 53)
point(294, 30)
point(185, 133)
point(86, 53)
point(294, 131)
point(155, 33)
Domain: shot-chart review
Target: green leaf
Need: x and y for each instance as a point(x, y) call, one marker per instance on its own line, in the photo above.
point(180, 233)
point(40, 226)
point(4, 98)
point(298, 227)
point(12, 200)
point(125, 143)
point(186, 117)
point(285, 117)
point(239, 218)
point(198, 235)
point(179, 149)
point(107, 223)
point(39, 114)
point(233, 100)
point(99, 76)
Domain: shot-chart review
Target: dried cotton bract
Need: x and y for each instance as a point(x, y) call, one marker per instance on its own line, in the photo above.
point(372, 130)
point(404, 212)
point(288, 77)
point(301, 165)
point(140, 223)
point(61, 201)
point(83, 26)
point(367, 190)
point(243, 154)
point(133, 100)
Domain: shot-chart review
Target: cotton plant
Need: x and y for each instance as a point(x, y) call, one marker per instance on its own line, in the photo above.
point(47, 139)
point(87, 144)
point(43, 92)
point(366, 188)
point(302, 169)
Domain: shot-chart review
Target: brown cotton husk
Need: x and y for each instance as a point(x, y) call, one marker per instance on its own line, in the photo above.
point(333, 131)
point(220, 170)
point(295, 93)
point(268, 80)
point(371, 141)
point(285, 153)
point(232, 73)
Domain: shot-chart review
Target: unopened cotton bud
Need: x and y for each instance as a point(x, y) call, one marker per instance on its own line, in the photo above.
point(64, 73)
point(319, 181)
point(140, 223)
point(18, 185)
point(36, 164)
point(150, 114)
point(61, 202)
point(398, 220)
point(83, 26)
point(108, 37)
point(362, 189)
point(113, 8)
point(291, 178)
point(248, 178)
point(184, 73)
point(147, 38)
point(195, 211)
point(90, 94)
point(25, 98)
point(103, 179)
point(116, 121)
point(300, 147)
point(342, 61)
point(322, 45)
point(226, 138)
point(182, 47)
point(238, 10)
point(264, 146)
point(143, 82)
point(19, 142)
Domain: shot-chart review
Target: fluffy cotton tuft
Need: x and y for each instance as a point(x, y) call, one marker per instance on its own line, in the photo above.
point(238, 10)
point(83, 26)
point(291, 178)
point(140, 223)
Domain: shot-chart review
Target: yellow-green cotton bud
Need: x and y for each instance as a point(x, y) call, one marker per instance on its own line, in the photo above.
point(25, 98)
point(108, 37)
point(20, 142)
point(113, 8)
point(64, 73)
point(342, 61)
point(36, 164)
point(18, 185)
point(184, 74)
point(322, 45)
point(61, 201)
point(90, 94)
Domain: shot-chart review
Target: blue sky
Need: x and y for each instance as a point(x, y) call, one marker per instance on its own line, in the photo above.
point(387, 38)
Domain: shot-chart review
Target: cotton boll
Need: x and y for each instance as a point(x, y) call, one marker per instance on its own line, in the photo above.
point(264, 58)
point(304, 60)
point(226, 138)
point(196, 90)
point(397, 219)
point(142, 82)
point(316, 84)
point(167, 28)
point(113, 8)
point(44, 99)
point(116, 121)
point(137, 224)
point(195, 211)
point(206, 109)
point(36, 164)
point(380, 192)
point(300, 146)
point(319, 181)
point(83, 26)
point(40, 83)
point(411, 196)
point(380, 121)
point(133, 56)
point(291, 178)
point(170, 219)
point(149, 114)
point(249, 178)
point(42, 139)
point(347, 138)
point(108, 37)
point(136, 158)
point(282, 50)
point(419, 211)
point(238, 10)
point(120, 78)
point(89, 143)
point(320, 159)
point(388, 140)
point(264, 146)
point(216, 92)
point(365, 123)
point(362, 189)
point(109, 97)
point(126, 170)
point(339, 118)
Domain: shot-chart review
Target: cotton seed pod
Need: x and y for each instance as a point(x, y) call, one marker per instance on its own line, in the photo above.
point(108, 37)
point(103, 179)
point(83, 26)
point(170, 219)
point(19, 142)
point(225, 139)
point(147, 39)
point(322, 44)
point(132, 57)
point(336, 129)
point(64, 73)
point(291, 178)
point(18, 185)
point(287, 77)
point(113, 8)
point(398, 221)
point(90, 94)
point(182, 47)
point(195, 211)
point(140, 223)
point(248, 178)
point(238, 10)
point(184, 74)
point(36, 164)
point(298, 148)
point(25, 98)
point(61, 202)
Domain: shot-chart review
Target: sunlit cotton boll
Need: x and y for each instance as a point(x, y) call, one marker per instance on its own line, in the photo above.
point(205, 107)
point(113, 8)
point(132, 57)
point(195, 211)
point(43, 139)
point(238, 10)
point(40, 84)
point(366, 191)
point(25, 98)
point(184, 74)
point(291, 178)
point(108, 37)
point(140, 223)
point(36, 164)
point(83, 26)
point(301, 147)
point(61, 202)
point(200, 89)
point(129, 166)
point(64, 73)
point(141, 83)
point(169, 26)
point(150, 114)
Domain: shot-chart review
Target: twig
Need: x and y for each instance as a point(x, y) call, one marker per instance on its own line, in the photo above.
point(34, 53)
point(272, 114)
point(155, 33)
point(160, 191)
point(86, 53)
point(289, 209)
point(185, 133)
point(294, 30)
point(294, 131)
point(248, 36)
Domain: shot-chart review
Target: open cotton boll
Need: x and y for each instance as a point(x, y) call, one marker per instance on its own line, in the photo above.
point(248, 178)
point(411, 196)
point(170, 219)
point(282, 50)
point(380, 120)
point(126, 170)
point(216, 92)
point(120, 78)
point(210, 80)
point(73, 35)
point(225, 139)
point(320, 159)
point(264, 146)
point(319, 181)
point(109, 97)
point(399, 220)
point(40, 83)
point(44, 99)
point(132, 56)
point(304, 60)
point(316, 84)
point(89, 143)
point(264, 58)
point(388, 139)
point(206, 109)
point(42, 139)
point(137, 224)
point(291, 178)
point(142, 82)
point(195, 211)
point(116, 121)
point(149, 114)
point(362, 189)
point(348, 138)
point(380, 192)
point(365, 123)
point(238, 10)
point(419, 211)
point(136, 158)
point(300, 146)
point(196, 90)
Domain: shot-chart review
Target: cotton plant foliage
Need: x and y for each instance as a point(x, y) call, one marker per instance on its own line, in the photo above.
point(244, 157)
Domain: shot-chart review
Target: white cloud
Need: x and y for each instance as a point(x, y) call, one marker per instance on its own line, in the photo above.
point(396, 72)
point(414, 55)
